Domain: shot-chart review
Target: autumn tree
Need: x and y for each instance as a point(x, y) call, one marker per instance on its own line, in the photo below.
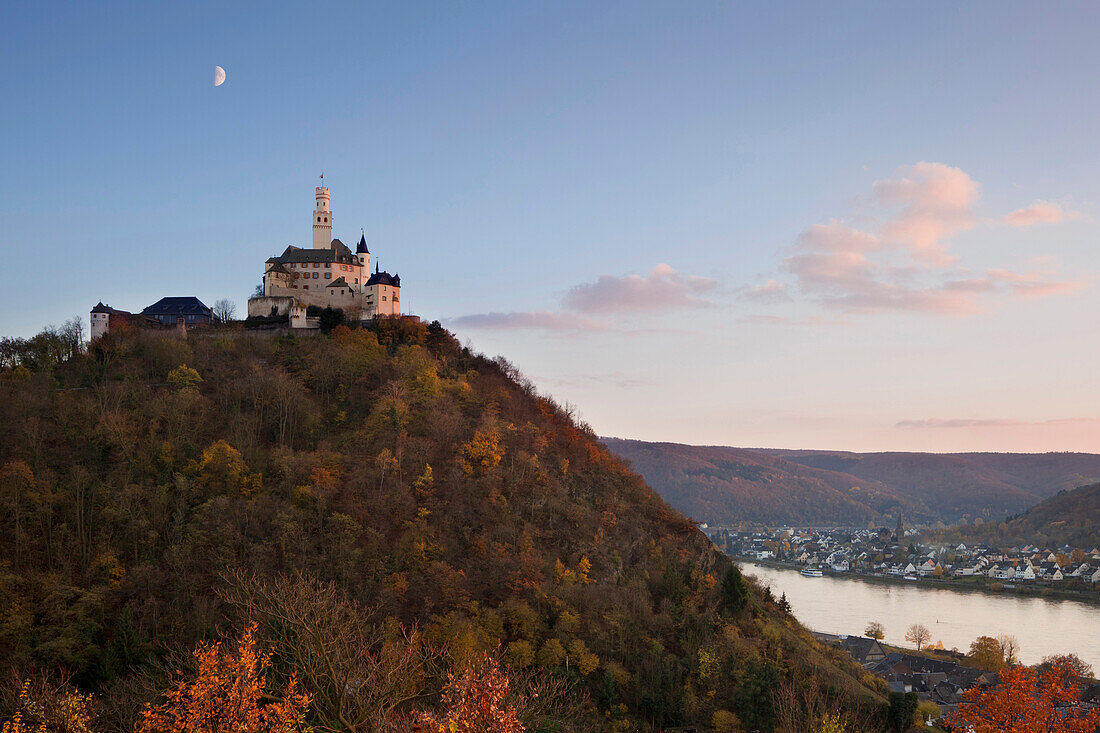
point(482, 453)
point(875, 630)
point(474, 702)
point(918, 634)
point(1069, 662)
point(986, 653)
point(1027, 701)
point(184, 379)
point(222, 470)
point(50, 706)
point(225, 695)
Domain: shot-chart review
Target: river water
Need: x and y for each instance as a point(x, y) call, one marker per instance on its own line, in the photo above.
point(845, 605)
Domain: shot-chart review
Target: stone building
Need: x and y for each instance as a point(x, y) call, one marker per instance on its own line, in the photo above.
point(326, 275)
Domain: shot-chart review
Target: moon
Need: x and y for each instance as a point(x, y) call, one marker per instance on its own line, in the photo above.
point(219, 76)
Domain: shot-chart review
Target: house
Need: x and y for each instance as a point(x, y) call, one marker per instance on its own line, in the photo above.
point(187, 310)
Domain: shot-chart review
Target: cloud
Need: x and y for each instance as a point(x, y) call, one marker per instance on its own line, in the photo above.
point(615, 379)
point(936, 201)
point(661, 289)
point(538, 320)
point(971, 423)
point(1040, 212)
point(901, 262)
point(769, 293)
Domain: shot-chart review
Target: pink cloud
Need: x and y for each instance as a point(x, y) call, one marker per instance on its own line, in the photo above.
point(538, 320)
point(971, 423)
point(936, 201)
point(767, 293)
point(902, 263)
point(661, 289)
point(1040, 212)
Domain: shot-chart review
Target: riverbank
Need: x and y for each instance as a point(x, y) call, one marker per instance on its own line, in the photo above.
point(1043, 626)
point(959, 585)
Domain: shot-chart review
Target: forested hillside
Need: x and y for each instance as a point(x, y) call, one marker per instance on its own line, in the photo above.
point(723, 485)
point(1067, 518)
point(973, 486)
point(385, 506)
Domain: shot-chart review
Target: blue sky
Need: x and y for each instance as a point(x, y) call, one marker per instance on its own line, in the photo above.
point(846, 225)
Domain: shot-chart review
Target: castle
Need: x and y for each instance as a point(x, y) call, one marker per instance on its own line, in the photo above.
point(328, 275)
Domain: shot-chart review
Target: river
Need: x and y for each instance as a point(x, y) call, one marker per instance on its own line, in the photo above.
point(845, 605)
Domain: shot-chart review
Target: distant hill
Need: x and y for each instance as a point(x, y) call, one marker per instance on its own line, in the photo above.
point(964, 485)
point(1067, 518)
point(729, 485)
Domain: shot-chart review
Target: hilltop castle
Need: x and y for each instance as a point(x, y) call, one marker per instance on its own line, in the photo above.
point(328, 275)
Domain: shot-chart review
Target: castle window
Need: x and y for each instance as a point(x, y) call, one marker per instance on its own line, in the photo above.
point(328, 275)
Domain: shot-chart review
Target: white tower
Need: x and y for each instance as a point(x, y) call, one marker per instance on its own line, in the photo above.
point(322, 221)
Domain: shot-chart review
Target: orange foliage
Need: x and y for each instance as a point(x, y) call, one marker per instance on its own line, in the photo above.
point(1027, 701)
point(482, 452)
point(44, 708)
point(473, 702)
point(225, 696)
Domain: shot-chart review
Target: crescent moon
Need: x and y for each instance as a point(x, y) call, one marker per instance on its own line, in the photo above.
point(219, 76)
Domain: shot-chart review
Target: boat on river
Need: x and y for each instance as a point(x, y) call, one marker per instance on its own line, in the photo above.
point(812, 573)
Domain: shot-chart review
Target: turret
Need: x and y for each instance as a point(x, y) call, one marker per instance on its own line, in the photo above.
point(322, 220)
point(363, 253)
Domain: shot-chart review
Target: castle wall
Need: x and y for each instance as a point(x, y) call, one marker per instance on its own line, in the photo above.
point(261, 307)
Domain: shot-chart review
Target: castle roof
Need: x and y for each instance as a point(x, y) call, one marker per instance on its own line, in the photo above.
point(384, 278)
point(178, 306)
point(362, 248)
point(338, 283)
point(337, 252)
point(278, 267)
point(100, 308)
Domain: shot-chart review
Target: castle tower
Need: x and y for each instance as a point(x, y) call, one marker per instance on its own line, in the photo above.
point(363, 254)
point(322, 221)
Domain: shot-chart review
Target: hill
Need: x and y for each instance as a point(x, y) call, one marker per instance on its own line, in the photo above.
point(730, 485)
point(1067, 518)
point(974, 486)
point(385, 505)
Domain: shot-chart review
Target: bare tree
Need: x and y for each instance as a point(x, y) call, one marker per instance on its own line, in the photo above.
point(1010, 648)
point(225, 310)
point(360, 669)
point(875, 630)
point(918, 634)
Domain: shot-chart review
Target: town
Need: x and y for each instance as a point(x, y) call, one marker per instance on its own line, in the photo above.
point(900, 555)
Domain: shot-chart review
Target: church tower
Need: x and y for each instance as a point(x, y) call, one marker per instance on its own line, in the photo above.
point(322, 221)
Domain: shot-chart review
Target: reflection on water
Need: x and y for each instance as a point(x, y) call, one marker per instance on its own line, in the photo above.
point(845, 605)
